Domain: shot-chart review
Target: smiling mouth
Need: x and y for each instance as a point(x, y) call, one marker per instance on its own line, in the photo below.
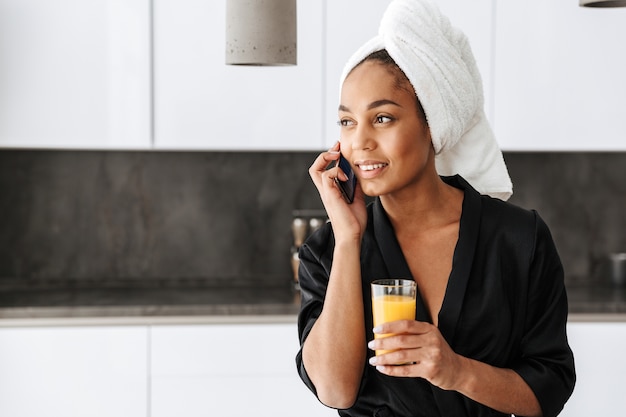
point(371, 167)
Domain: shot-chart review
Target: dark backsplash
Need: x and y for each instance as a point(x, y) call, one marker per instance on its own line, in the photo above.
point(582, 197)
point(115, 218)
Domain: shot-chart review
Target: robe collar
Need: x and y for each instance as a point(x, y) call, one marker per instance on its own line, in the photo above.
point(397, 266)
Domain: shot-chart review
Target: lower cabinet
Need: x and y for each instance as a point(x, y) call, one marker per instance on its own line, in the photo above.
point(73, 371)
point(236, 370)
point(153, 371)
point(222, 370)
point(599, 350)
point(228, 370)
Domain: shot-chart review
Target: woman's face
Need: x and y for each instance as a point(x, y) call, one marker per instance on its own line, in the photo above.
point(382, 133)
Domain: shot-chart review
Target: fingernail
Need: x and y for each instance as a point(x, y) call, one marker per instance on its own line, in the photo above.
point(378, 329)
point(371, 344)
point(373, 360)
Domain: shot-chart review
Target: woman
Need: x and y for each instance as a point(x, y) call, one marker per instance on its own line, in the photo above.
point(489, 336)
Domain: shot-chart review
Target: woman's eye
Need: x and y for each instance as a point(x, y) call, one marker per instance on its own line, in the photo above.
point(383, 119)
point(345, 122)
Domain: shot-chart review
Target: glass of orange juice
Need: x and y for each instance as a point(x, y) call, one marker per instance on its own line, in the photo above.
point(392, 299)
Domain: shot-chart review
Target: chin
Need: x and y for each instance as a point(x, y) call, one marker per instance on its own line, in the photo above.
point(372, 191)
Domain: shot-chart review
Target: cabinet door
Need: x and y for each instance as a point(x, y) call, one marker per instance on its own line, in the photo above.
point(600, 369)
point(75, 74)
point(350, 23)
point(229, 370)
point(560, 81)
point(73, 372)
point(201, 103)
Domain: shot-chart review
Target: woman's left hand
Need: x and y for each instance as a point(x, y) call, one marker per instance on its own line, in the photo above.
point(423, 351)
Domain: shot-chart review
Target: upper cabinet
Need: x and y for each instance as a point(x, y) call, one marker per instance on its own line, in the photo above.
point(350, 23)
point(75, 74)
point(201, 103)
point(151, 74)
point(560, 79)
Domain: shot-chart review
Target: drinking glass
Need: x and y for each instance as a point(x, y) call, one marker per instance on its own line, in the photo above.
point(392, 299)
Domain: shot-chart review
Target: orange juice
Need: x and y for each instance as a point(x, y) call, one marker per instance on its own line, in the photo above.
point(391, 307)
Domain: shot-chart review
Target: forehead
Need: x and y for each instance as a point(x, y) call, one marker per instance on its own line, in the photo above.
point(374, 78)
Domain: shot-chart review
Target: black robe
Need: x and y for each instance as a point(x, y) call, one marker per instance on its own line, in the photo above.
point(505, 305)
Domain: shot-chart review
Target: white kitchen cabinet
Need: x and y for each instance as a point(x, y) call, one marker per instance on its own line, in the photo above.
point(74, 372)
point(201, 103)
point(600, 369)
point(228, 370)
point(350, 23)
point(559, 82)
point(75, 74)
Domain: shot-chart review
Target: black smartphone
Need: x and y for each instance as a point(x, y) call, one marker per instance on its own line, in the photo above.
point(347, 187)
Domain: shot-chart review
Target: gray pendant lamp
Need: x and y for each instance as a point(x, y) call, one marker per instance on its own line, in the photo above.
point(602, 3)
point(261, 32)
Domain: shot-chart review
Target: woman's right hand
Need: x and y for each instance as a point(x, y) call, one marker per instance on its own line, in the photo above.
point(348, 220)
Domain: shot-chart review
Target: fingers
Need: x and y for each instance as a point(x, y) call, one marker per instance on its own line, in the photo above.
point(406, 356)
point(406, 369)
point(404, 326)
point(404, 334)
point(323, 171)
point(424, 362)
point(413, 349)
point(399, 338)
point(404, 342)
point(324, 159)
point(349, 220)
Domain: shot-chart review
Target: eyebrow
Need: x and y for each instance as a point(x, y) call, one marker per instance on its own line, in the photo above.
point(372, 105)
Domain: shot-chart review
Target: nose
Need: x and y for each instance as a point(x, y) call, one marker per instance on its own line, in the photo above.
point(362, 138)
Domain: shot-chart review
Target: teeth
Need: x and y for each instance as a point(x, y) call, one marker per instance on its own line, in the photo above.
point(371, 167)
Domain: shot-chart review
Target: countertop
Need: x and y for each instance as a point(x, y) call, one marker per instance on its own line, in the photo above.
point(148, 305)
point(220, 305)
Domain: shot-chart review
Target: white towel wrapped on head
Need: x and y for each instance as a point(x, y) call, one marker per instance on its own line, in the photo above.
point(438, 61)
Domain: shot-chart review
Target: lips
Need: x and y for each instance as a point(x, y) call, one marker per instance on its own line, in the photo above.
point(371, 167)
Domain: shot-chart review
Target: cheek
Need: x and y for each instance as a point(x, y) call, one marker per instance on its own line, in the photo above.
point(411, 146)
point(415, 150)
point(421, 141)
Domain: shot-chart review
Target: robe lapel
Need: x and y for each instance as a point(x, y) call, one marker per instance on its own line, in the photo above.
point(450, 403)
point(461, 261)
point(393, 257)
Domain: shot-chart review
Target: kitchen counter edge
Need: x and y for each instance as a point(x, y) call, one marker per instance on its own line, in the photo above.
point(290, 318)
